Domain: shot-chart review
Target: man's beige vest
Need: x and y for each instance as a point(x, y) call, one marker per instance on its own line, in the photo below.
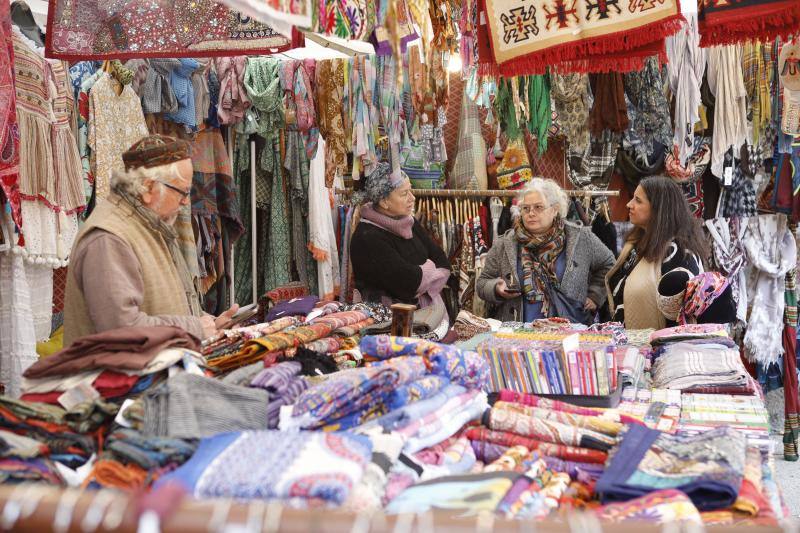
point(163, 290)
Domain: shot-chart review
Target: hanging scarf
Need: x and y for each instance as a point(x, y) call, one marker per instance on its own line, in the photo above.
point(726, 83)
point(701, 291)
point(756, 60)
point(609, 111)
point(687, 64)
point(539, 110)
point(538, 254)
point(650, 122)
point(570, 92)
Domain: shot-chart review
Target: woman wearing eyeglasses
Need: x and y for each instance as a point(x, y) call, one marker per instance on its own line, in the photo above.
point(542, 252)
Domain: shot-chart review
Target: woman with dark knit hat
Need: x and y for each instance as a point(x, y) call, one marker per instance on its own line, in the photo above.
point(394, 260)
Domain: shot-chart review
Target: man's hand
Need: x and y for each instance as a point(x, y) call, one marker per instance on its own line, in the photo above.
point(222, 320)
point(589, 305)
point(209, 327)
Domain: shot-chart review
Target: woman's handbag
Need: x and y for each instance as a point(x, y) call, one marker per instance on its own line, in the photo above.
point(565, 306)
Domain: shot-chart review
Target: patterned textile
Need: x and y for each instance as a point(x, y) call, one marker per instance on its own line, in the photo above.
point(445, 422)
point(701, 291)
point(570, 93)
point(660, 507)
point(593, 423)
point(594, 165)
point(722, 22)
point(756, 59)
point(469, 169)
point(683, 366)
point(729, 257)
point(9, 133)
point(514, 171)
point(689, 176)
point(461, 367)
point(739, 200)
point(708, 468)
point(343, 394)
point(527, 38)
point(538, 256)
point(330, 85)
point(272, 465)
point(648, 111)
point(85, 30)
point(546, 430)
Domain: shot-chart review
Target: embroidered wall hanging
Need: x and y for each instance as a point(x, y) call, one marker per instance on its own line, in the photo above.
point(87, 29)
point(527, 36)
point(739, 21)
point(280, 15)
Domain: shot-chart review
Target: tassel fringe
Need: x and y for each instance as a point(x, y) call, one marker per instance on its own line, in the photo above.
point(750, 25)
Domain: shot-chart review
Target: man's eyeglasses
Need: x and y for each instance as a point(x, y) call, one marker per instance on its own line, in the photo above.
point(184, 194)
point(537, 209)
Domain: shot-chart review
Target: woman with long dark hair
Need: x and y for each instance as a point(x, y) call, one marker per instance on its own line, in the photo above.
point(663, 251)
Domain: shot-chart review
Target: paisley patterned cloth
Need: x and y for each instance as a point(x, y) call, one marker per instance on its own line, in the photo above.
point(461, 367)
point(708, 468)
point(268, 465)
point(660, 507)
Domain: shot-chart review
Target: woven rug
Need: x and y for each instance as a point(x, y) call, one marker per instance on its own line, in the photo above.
point(527, 36)
point(730, 22)
point(87, 29)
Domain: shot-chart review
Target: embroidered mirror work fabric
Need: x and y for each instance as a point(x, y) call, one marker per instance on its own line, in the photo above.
point(88, 29)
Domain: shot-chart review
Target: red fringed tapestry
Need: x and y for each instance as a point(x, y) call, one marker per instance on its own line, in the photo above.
point(738, 21)
point(88, 29)
point(527, 36)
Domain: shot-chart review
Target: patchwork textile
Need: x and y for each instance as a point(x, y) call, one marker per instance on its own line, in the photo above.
point(84, 29)
point(461, 367)
point(660, 507)
point(271, 465)
point(527, 36)
point(708, 468)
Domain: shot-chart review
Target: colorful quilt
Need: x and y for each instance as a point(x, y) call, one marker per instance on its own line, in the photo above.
point(86, 29)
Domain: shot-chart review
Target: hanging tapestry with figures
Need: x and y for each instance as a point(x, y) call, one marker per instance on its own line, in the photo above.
point(88, 29)
point(527, 36)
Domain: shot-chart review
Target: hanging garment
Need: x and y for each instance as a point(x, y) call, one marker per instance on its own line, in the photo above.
point(330, 85)
point(469, 169)
point(687, 64)
point(116, 122)
point(9, 136)
point(689, 175)
point(609, 111)
point(789, 69)
point(321, 235)
point(570, 93)
point(17, 331)
point(157, 93)
point(771, 249)
point(791, 424)
point(730, 108)
point(233, 99)
point(650, 121)
point(756, 66)
point(729, 257)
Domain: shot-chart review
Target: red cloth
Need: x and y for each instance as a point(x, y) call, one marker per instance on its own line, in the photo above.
point(569, 453)
point(9, 133)
point(726, 22)
point(109, 384)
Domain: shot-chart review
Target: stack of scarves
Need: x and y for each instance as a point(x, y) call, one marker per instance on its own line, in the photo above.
point(129, 446)
point(310, 467)
point(461, 367)
point(283, 384)
point(689, 366)
point(286, 339)
point(708, 468)
point(660, 507)
point(350, 397)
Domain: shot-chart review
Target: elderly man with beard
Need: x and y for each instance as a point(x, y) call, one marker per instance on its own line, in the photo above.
point(126, 267)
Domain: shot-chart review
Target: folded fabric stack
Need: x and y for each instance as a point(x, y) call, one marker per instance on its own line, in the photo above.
point(115, 364)
point(191, 406)
point(748, 414)
point(304, 468)
point(230, 341)
point(700, 366)
point(283, 384)
point(708, 467)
